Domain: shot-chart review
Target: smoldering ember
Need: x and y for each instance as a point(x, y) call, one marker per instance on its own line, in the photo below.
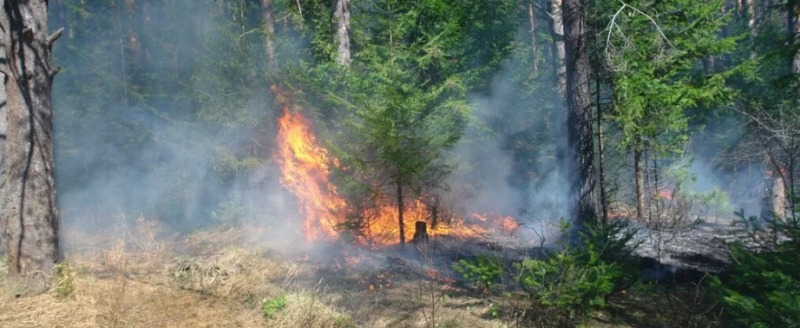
point(389, 163)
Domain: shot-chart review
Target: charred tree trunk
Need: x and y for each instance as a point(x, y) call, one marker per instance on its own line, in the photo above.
point(638, 173)
point(435, 212)
point(269, 32)
point(29, 194)
point(579, 112)
point(557, 13)
point(420, 233)
point(341, 32)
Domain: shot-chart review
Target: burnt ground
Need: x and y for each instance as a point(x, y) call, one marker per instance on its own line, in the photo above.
point(701, 248)
point(686, 253)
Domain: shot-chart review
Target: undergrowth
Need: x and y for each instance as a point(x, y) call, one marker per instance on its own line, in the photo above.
point(762, 288)
point(63, 280)
point(271, 306)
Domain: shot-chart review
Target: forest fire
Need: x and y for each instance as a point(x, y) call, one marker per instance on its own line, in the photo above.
point(305, 170)
point(304, 166)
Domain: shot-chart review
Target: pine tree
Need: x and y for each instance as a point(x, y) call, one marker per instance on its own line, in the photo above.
point(29, 194)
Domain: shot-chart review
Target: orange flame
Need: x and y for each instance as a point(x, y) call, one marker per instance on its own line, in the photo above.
point(305, 167)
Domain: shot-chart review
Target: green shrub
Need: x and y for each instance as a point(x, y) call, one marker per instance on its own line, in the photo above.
point(271, 306)
point(567, 283)
point(577, 279)
point(483, 271)
point(343, 321)
point(63, 280)
point(762, 288)
point(231, 212)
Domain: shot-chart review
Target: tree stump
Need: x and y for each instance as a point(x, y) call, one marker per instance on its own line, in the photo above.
point(420, 232)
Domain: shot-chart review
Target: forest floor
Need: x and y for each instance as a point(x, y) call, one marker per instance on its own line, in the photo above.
point(218, 278)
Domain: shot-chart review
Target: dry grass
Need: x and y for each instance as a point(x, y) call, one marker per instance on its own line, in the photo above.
point(140, 282)
point(213, 279)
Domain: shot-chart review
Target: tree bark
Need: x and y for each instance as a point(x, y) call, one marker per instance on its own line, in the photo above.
point(794, 32)
point(777, 202)
point(420, 233)
point(579, 112)
point(341, 32)
point(3, 132)
point(556, 12)
point(638, 173)
point(752, 21)
point(268, 20)
point(532, 32)
point(29, 194)
point(601, 162)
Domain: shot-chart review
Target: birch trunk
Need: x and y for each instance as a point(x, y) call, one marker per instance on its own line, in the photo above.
point(341, 32)
point(558, 46)
point(532, 32)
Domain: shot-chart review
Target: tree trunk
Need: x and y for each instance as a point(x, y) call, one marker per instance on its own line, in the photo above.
point(752, 21)
point(29, 195)
point(601, 162)
point(658, 201)
point(638, 173)
point(420, 233)
point(341, 25)
point(779, 197)
point(791, 200)
point(3, 133)
point(558, 46)
point(435, 212)
point(579, 112)
point(269, 32)
point(532, 32)
point(400, 210)
point(794, 32)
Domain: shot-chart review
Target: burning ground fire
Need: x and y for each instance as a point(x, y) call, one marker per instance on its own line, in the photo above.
point(305, 171)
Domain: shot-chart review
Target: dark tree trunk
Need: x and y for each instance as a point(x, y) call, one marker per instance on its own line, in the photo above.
point(435, 212)
point(29, 194)
point(794, 32)
point(579, 112)
point(268, 20)
point(341, 30)
point(400, 210)
point(420, 233)
point(601, 162)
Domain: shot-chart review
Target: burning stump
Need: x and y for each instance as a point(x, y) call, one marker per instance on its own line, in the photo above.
point(420, 232)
